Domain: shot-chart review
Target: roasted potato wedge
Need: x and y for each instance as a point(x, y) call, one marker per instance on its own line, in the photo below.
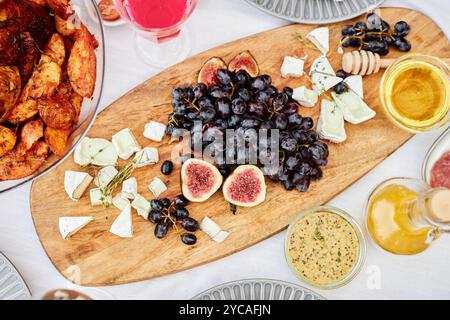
point(10, 86)
point(57, 112)
point(7, 140)
point(44, 80)
point(77, 103)
point(23, 111)
point(82, 64)
point(67, 27)
point(57, 140)
point(61, 8)
point(13, 166)
point(30, 57)
point(55, 49)
point(31, 132)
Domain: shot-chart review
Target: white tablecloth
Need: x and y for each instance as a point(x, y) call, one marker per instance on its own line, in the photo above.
point(213, 23)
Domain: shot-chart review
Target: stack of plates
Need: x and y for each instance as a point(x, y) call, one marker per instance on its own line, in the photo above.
point(316, 11)
point(12, 286)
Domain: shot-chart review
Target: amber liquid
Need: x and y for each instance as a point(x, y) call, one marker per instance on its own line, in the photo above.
point(391, 225)
point(419, 94)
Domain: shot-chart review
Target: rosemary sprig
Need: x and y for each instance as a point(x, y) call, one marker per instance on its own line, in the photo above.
point(123, 175)
point(304, 41)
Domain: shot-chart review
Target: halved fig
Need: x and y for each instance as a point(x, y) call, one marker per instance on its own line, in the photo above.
point(207, 74)
point(199, 180)
point(244, 61)
point(245, 187)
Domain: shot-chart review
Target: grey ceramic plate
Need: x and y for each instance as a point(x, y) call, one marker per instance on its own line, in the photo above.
point(315, 11)
point(12, 286)
point(258, 289)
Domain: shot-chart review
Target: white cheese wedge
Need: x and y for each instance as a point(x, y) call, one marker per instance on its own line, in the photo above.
point(331, 122)
point(129, 188)
point(125, 143)
point(68, 226)
point(354, 109)
point(97, 197)
point(355, 83)
point(81, 154)
point(157, 187)
point(141, 205)
point(213, 230)
point(76, 183)
point(306, 97)
point(154, 131)
point(324, 82)
point(292, 67)
point(146, 156)
point(123, 225)
point(321, 65)
point(105, 176)
point(320, 38)
point(96, 151)
point(120, 202)
point(221, 236)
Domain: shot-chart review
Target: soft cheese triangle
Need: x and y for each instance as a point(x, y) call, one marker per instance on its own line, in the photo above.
point(324, 82)
point(355, 83)
point(142, 206)
point(321, 65)
point(125, 143)
point(123, 225)
point(354, 109)
point(96, 151)
point(331, 122)
point(76, 183)
point(68, 226)
point(306, 97)
point(321, 39)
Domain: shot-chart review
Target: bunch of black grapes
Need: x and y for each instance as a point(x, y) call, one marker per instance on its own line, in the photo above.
point(168, 214)
point(376, 35)
point(242, 102)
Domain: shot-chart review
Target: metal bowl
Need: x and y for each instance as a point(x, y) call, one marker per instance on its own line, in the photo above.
point(90, 106)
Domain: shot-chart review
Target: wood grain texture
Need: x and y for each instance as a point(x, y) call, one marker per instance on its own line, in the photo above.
point(104, 259)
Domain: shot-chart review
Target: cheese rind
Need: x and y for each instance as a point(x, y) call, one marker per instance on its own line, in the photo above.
point(354, 109)
point(76, 183)
point(320, 38)
point(213, 230)
point(154, 131)
point(96, 151)
point(292, 67)
point(123, 225)
point(305, 97)
point(68, 226)
point(157, 187)
point(141, 205)
point(146, 156)
point(129, 188)
point(105, 176)
point(125, 143)
point(331, 122)
point(81, 154)
point(221, 236)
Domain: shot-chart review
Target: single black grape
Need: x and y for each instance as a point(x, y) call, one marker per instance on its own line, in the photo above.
point(180, 213)
point(190, 224)
point(312, 136)
point(167, 167)
point(290, 108)
point(156, 204)
point(373, 21)
point(224, 76)
point(341, 74)
point(224, 170)
point(304, 168)
point(250, 123)
point(283, 173)
point(401, 29)
point(238, 106)
point(402, 44)
point(223, 108)
point(161, 229)
point(188, 239)
point(258, 83)
point(350, 42)
point(165, 202)
point(200, 89)
point(267, 79)
point(307, 123)
point(288, 184)
point(280, 99)
point(241, 78)
point(155, 216)
point(377, 46)
point(288, 91)
point(348, 30)
point(257, 108)
point(180, 201)
point(316, 173)
point(234, 121)
point(292, 162)
point(385, 26)
point(244, 94)
point(207, 114)
point(300, 136)
point(303, 184)
point(205, 102)
point(360, 27)
point(178, 94)
point(295, 120)
point(272, 91)
point(262, 96)
point(218, 92)
point(281, 121)
point(341, 87)
point(288, 144)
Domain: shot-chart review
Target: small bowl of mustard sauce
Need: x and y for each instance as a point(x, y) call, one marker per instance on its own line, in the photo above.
point(325, 247)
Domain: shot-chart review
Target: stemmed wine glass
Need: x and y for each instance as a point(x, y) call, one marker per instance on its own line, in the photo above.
point(160, 40)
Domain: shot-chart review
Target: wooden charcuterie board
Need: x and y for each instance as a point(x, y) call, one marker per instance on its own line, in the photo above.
point(94, 256)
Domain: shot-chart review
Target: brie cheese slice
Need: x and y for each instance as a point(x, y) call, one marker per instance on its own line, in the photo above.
point(355, 83)
point(321, 65)
point(324, 82)
point(146, 156)
point(81, 154)
point(123, 225)
point(105, 176)
point(68, 226)
point(292, 67)
point(125, 143)
point(120, 202)
point(129, 188)
point(306, 97)
point(213, 230)
point(320, 38)
point(331, 122)
point(76, 183)
point(354, 109)
point(97, 197)
point(154, 131)
point(157, 187)
point(96, 151)
point(221, 236)
point(141, 205)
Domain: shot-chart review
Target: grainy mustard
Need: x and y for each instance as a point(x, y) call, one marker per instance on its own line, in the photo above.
point(323, 247)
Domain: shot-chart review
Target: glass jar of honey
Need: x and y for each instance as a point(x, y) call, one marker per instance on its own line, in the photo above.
point(415, 93)
point(404, 216)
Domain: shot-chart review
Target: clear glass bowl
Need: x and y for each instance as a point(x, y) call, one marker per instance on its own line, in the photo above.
point(362, 246)
point(389, 75)
point(437, 149)
point(90, 106)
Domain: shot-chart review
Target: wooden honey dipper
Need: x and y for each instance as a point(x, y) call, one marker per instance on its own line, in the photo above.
point(366, 62)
